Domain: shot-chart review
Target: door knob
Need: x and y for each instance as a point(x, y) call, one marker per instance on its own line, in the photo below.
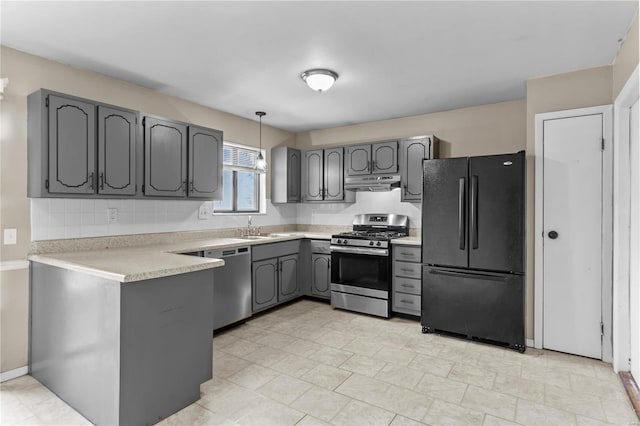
point(553, 235)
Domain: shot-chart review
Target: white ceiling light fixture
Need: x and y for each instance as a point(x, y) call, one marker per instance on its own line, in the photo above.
point(261, 162)
point(319, 79)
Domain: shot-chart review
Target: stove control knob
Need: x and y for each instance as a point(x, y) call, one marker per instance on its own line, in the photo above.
point(379, 243)
point(344, 241)
point(370, 243)
point(339, 241)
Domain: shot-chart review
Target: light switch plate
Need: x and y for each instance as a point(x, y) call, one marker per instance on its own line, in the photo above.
point(203, 212)
point(112, 215)
point(10, 236)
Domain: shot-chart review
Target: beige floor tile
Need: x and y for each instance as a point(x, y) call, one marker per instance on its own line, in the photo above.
point(551, 376)
point(360, 413)
point(294, 365)
point(331, 356)
point(302, 347)
point(521, 388)
point(586, 421)
point(311, 421)
point(195, 415)
point(620, 412)
point(363, 365)
point(308, 332)
point(31, 421)
point(270, 413)
point(423, 345)
point(404, 401)
point(395, 355)
point(224, 364)
point(395, 339)
point(442, 388)
point(399, 420)
point(240, 347)
point(530, 413)
point(431, 364)
point(222, 340)
point(248, 332)
point(53, 410)
point(400, 376)
point(605, 389)
point(12, 411)
point(472, 375)
point(276, 340)
point(491, 402)
point(490, 420)
point(574, 402)
point(366, 346)
point(445, 413)
point(284, 389)
point(335, 339)
point(231, 401)
point(363, 388)
point(253, 376)
point(326, 376)
point(321, 403)
point(502, 365)
point(265, 356)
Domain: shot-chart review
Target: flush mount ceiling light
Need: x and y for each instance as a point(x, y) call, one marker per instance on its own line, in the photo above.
point(261, 163)
point(318, 79)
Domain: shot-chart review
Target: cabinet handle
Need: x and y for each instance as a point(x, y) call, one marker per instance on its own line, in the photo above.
point(101, 181)
point(369, 166)
point(408, 302)
point(191, 186)
point(373, 165)
point(91, 180)
point(184, 186)
point(406, 285)
point(406, 270)
point(329, 264)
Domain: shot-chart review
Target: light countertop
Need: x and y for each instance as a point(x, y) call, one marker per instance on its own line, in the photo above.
point(408, 241)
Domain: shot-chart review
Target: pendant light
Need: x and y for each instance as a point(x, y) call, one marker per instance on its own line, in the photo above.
point(261, 163)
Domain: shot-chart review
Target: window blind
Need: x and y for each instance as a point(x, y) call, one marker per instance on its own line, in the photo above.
point(235, 157)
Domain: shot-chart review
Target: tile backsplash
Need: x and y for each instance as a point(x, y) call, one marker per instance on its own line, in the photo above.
point(58, 218)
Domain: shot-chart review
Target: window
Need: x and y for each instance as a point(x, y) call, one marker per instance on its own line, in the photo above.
point(241, 183)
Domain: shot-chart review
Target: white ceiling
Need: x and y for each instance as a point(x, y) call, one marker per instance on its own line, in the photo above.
point(394, 59)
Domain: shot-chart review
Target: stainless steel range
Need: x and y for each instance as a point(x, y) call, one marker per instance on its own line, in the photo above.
point(361, 263)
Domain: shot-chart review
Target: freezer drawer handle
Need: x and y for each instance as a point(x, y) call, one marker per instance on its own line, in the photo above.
point(461, 209)
point(480, 275)
point(408, 302)
point(474, 212)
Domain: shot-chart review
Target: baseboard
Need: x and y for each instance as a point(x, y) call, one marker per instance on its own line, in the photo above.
point(529, 342)
point(633, 392)
point(13, 265)
point(12, 374)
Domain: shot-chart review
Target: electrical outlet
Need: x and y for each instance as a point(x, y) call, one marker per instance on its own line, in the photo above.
point(203, 212)
point(112, 215)
point(10, 236)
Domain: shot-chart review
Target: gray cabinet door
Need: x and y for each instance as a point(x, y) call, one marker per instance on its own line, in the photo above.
point(205, 163)
point(334, 174)
point(313, 169)
point(358, 160)
point(293, 175)
point(116, 151)
point(288, 283)
point(320, 274)
point(72, 146)
point(384, 157)
point(165, 158)
point(412, 152)
point(264, 281)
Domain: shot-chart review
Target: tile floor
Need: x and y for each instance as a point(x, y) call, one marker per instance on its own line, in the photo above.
point(306, 364)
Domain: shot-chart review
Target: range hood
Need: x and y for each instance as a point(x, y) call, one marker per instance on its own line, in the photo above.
point(372, 183)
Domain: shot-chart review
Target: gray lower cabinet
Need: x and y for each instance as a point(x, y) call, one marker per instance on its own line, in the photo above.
point(120, 353)
point(320, 275)
point(116, 151)
point(407, 279)
point(205, 163)
point(323, 176)
point(286, 176)
point(412, 151)
point(274, 274)
point(376, 158)
point(165, 158)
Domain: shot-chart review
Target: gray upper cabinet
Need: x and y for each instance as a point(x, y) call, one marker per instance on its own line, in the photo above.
point(205, 163)
point(412, 151)
point(285, 175)
point(323, 176)
point(334, 174)
point(72, 146)
point(165, 158)
point(314, 183)
point(377, 158)
point(116, 151)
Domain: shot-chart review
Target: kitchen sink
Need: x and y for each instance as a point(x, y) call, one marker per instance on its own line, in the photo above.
point(255, 237)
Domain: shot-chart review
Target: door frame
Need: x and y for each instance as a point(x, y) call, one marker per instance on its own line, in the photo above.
point(621, 206)
point(607, 222)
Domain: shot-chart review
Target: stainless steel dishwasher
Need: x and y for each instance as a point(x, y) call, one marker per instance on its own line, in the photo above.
point(231, 286)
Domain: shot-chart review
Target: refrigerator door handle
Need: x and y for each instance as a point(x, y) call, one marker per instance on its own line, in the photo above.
point(479, 275)
point(461, 213)
point(474, 212)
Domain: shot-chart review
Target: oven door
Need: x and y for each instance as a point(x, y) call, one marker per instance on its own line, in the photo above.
point(361, 271)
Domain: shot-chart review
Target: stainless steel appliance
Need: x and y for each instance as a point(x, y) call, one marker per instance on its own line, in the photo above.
point(372, 183)
point(231, 286)
point(473, 247)
point(361, 263)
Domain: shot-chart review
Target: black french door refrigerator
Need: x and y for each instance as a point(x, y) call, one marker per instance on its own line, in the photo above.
point(473, 247)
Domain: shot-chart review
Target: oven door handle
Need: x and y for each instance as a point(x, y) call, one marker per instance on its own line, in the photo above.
point(360, 250)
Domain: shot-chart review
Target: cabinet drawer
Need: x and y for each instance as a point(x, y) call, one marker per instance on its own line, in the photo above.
point(271, 250)
point(407, 285)
point(406, 303)
point(407, 254)
point(409, 270)
point(320, 246)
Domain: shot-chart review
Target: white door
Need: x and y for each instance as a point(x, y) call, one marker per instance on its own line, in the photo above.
point(572, 241)
point(634, 243)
